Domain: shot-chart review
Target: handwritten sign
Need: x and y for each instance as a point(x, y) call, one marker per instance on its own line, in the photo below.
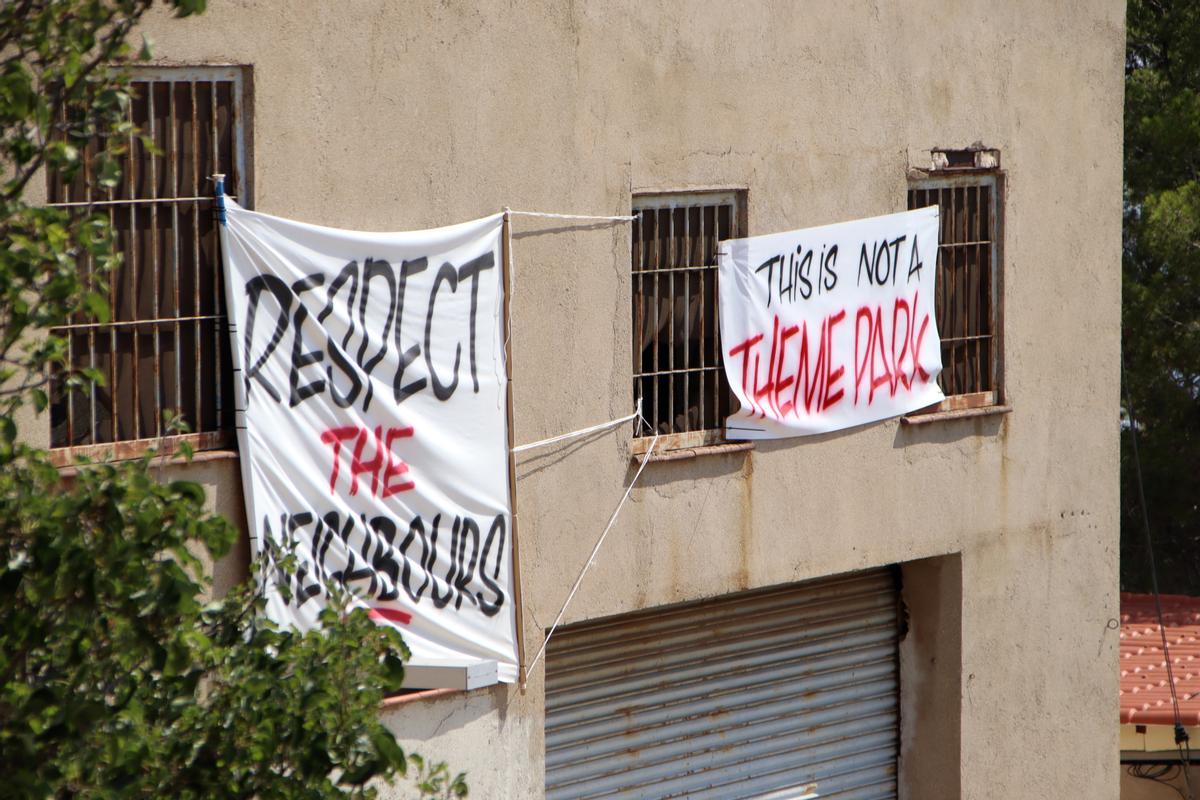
point(830, 327)
point(372, 426)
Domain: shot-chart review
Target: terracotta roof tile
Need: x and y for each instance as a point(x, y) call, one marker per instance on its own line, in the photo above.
point(1145, 697)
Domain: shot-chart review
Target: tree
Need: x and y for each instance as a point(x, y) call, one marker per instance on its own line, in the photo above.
point(1161, 282)
point(118, 678)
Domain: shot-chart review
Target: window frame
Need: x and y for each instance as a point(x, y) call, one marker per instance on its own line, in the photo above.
point(993, 178)
point(705, 439)
point(241, 136)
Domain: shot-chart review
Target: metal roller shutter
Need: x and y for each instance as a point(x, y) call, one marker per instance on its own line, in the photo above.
point(753, 695)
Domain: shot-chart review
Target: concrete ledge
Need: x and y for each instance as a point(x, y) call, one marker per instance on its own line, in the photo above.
point(964, 413)
point(448, 674)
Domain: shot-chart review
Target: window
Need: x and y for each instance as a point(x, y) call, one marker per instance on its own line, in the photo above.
point(677, 369)
point(166, 347)
point(966, 186)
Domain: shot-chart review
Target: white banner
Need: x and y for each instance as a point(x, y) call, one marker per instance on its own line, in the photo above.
point(826, 328)
point(373, 425)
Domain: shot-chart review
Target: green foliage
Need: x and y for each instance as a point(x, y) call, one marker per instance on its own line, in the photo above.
point(434, 780)
point(1161, 305)
point(118, 679)
point(63, 106)
point(120, 675)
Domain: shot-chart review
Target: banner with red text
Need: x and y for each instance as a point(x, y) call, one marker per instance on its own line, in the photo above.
point(830, 327)
point(372, 426)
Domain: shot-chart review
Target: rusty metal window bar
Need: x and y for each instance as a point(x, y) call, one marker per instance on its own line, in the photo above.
point(166, 347)
point(677, 368)
point(967, 301)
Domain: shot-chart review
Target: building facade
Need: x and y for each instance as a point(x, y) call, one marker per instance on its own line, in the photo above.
point(917, 608)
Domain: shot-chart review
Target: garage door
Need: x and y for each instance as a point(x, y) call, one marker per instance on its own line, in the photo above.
point(783, 693)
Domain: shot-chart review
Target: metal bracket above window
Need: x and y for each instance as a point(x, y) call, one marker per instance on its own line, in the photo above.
point(975, 157)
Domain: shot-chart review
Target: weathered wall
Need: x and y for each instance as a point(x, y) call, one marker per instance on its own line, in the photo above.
point(377, 115)
point(930, 698)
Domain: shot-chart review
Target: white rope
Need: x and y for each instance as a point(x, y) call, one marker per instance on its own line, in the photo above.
point(591, 559)
point(512, 263)
point(612, 423)
point(146, 200)
point(570, 216)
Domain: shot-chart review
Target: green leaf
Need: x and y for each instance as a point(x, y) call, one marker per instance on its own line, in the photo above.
point(387, 747)
point(92, 374)
point(188, 490)
point(109, 174)
point(98, 306)
point(186, 8)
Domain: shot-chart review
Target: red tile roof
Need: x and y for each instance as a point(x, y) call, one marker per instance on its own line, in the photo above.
point(1145, 696)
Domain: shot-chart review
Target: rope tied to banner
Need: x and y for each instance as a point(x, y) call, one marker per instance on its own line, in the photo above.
point(597, 428)
point(512, 260)
point(603, 426)
point(592, 558)
point(581, 217)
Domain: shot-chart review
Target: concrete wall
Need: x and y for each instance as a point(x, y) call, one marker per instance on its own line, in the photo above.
point(388, 116)
point(930, 678)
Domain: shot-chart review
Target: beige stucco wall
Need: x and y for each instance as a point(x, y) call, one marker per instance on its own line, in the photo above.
point(380, 115)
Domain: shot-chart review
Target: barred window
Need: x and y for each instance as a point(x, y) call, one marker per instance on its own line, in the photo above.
point(967, 301)
point(677, 368)
point(166, 347)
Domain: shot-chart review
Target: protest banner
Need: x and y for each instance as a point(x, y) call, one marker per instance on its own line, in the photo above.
point(372, 424)
point(830, 327)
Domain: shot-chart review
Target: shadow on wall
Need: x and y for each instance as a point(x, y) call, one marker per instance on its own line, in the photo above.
point(427, 718)
point(948, 431)
point(931, 678)
point(534, 461)
point(771, 445)
point(700, 469)
point(1168, 785)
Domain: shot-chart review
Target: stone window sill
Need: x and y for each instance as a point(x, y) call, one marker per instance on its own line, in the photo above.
point(962, 413)
point(685, 453)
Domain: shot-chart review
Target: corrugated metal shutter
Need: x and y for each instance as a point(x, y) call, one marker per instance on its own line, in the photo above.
point(753, 695)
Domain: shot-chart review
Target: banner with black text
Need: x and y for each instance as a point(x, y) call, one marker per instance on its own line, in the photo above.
point(372, 426)
point(830, 327)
